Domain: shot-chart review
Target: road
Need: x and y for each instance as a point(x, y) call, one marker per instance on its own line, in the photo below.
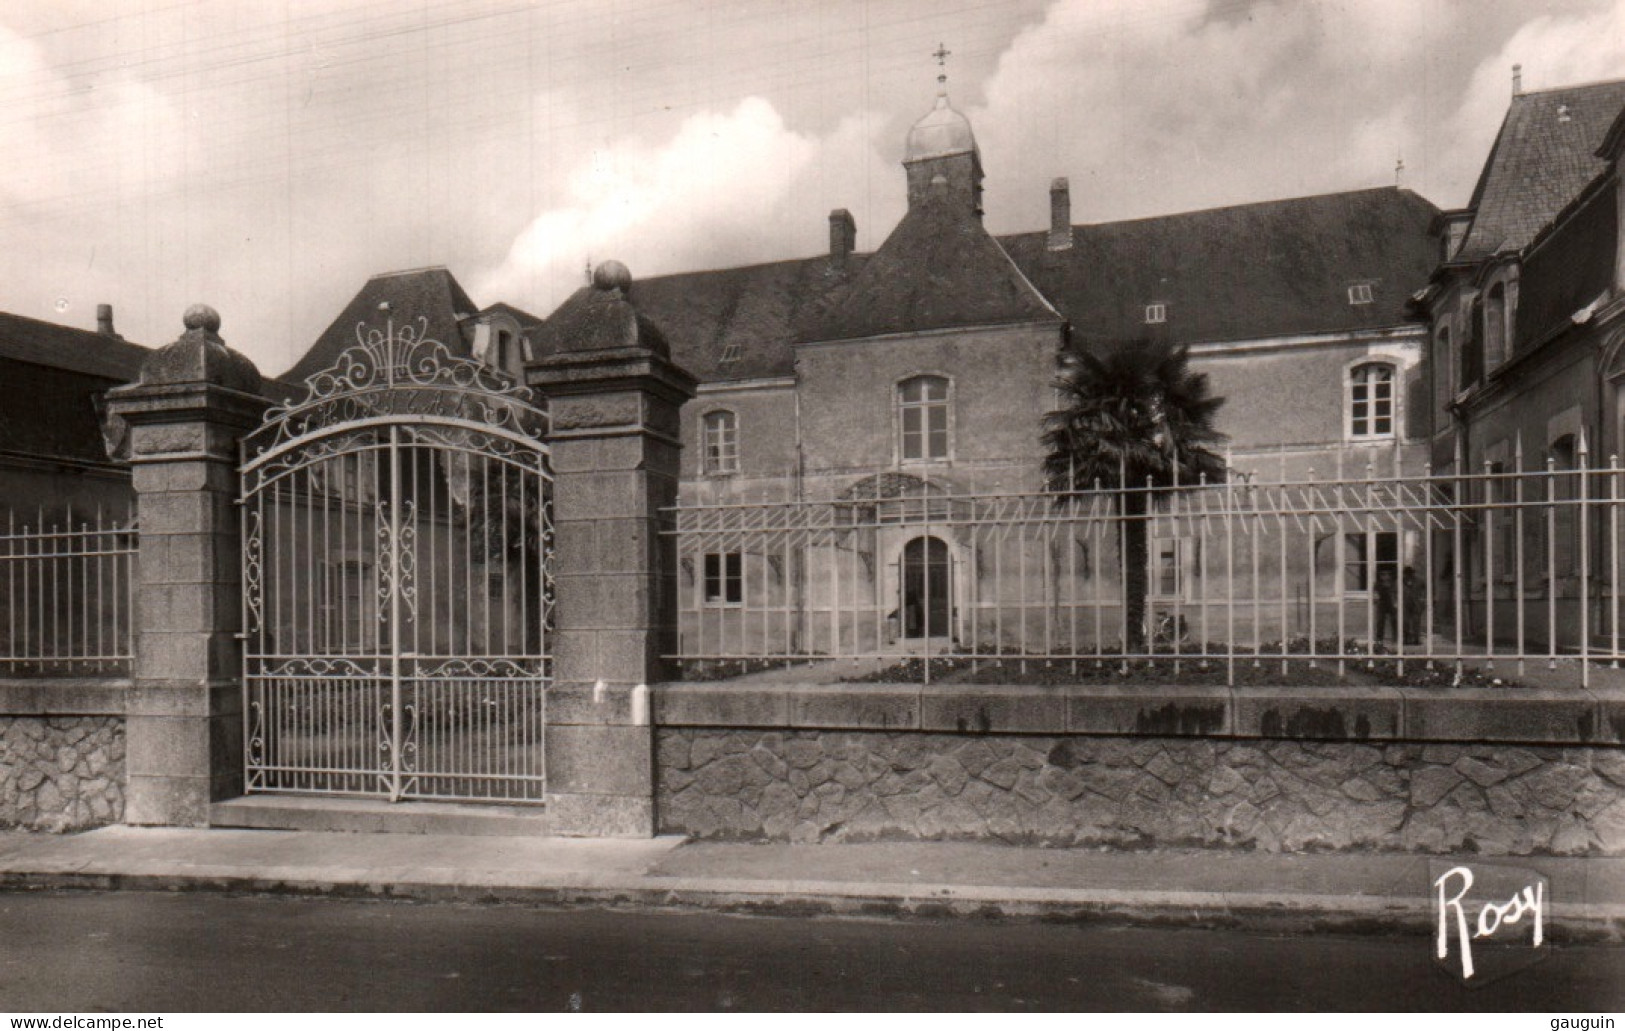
point(142, 952)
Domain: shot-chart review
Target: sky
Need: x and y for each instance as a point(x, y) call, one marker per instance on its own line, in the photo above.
point(267, 157)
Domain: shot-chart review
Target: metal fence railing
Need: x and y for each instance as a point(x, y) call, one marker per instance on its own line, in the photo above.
point(1511, 568)
point(67, 594)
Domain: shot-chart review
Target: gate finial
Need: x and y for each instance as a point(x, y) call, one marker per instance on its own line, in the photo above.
point(200, 356)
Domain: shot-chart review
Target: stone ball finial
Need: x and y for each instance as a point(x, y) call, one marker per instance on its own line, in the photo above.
point(611, 275)
point(200, 356)
point(201, 316)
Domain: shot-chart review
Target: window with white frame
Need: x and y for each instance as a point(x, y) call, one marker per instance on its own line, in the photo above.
point(1360, 293)
point(922, 419)
point(1371, 401)
point(724, 581)
point(509, 354)
point(1366, 556)
point(721, 442)
point(1155, 313)
point(1176, 566)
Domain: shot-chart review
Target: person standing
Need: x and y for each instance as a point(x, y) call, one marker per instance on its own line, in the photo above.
point(1387, 609)
point(1411, 599)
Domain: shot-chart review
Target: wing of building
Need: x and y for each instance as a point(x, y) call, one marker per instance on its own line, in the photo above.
point(438, 308)
point(1527, 317)
point(1518, 309)
point(934, 356)
point(55, 450)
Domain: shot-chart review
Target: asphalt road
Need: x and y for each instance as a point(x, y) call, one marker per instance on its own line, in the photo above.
point(135, 952)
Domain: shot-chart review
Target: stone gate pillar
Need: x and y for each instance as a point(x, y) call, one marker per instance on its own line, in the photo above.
point(614, 396)
point(194, 400)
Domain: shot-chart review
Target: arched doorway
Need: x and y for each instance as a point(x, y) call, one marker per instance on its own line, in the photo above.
point(926, 607)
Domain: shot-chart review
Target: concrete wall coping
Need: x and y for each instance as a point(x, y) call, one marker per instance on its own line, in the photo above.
point(1375, 714)
point(64, 696)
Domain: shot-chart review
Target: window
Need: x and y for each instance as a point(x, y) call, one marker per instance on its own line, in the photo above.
point(342, 618)
point(922, 404)
point(1498, 493)
point(1443, 394)
point(1495, 326)
point(731, 352)
point(1366, 555)
point(1565, 491)
point(725, 578)
point(1175, 562)
point(1360, 293)
point(1371, 400)
point(721, 443)
point(1155, 313)
point(1470, 362)
point(508, 354)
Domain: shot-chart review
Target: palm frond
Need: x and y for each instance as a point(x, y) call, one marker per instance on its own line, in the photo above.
point(1132, 414)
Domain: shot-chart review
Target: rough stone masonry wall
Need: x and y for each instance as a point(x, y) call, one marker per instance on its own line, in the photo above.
point(1275, 795)
point(60, 773)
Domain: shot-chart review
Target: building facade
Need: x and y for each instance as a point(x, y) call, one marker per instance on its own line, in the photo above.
point(924, 370)
point(1524, 322)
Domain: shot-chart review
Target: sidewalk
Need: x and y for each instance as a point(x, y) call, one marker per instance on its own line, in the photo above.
point(1370, 892)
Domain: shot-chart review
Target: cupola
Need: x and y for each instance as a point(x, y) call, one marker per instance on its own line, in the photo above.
point(942, 145)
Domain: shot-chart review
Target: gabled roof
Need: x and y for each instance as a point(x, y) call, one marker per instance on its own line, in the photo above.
point(1238, 273)
point(1543, 156)
point(739, 323)
point(1251, 271)
point(430, 293)
point(939, 269)
point(64, 347)
point(519, 315)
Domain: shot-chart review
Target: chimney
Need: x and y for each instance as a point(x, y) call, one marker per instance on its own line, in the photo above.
point(843, 235)
point(1060, 215)
point(104, 321)
point(1517, 80)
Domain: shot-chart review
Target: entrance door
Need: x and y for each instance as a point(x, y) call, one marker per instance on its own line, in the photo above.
point(927, 604)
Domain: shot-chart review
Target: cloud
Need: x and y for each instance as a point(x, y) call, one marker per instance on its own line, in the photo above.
point(88, 137)
point(726, 188)
point(1147, 108)
point(1554, 50)
point(1153, 109)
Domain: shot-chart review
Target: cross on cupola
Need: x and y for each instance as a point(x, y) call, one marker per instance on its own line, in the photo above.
point(941, 147)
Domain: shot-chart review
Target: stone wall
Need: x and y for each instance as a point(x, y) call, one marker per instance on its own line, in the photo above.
point(60, 773)
point(1275, 795)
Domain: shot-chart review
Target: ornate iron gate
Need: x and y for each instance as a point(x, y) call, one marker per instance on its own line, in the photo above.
point(397, 587)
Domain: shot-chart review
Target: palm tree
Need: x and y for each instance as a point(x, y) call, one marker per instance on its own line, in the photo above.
point(1134, 418)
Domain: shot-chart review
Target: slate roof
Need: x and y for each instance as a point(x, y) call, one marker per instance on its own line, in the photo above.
point(1540, 162)
point(64, 347)
point(1245, 272)
point(519, 315)
point(432, 293)
point(1237, 273)
point(50, 398)
point(751, 311)
point(939, 269)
